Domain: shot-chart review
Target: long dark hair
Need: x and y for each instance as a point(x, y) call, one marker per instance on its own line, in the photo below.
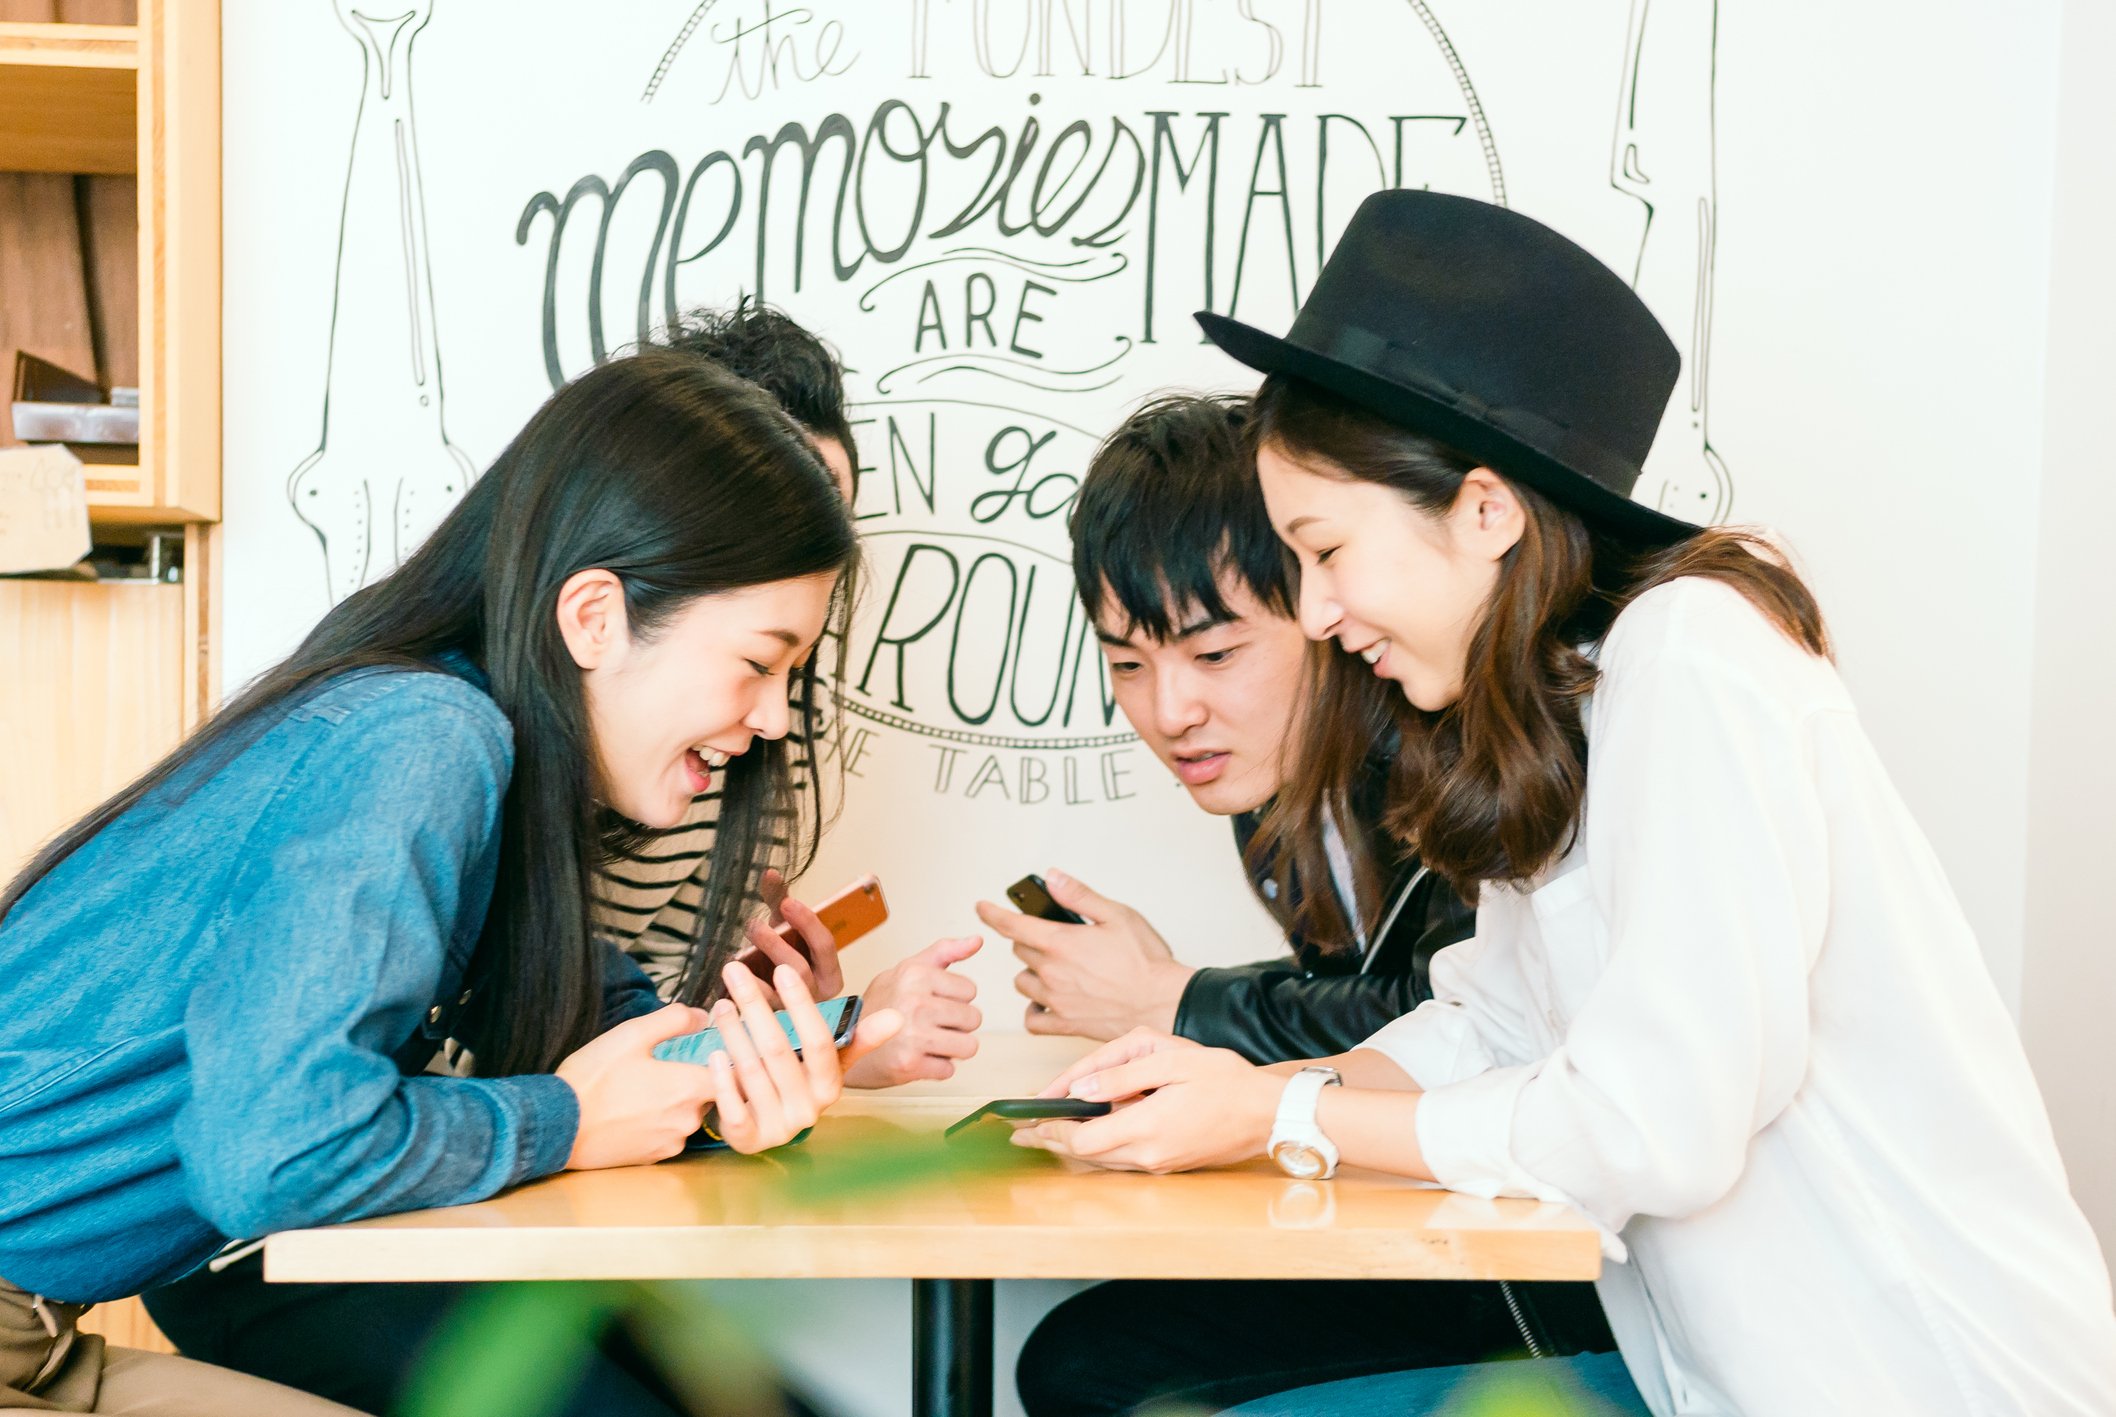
point(766, 346)
point(681, 480)
point(1489, 788)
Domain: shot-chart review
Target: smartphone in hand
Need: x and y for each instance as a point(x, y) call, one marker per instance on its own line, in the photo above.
point(842, 1015)
point(1032, 897)
point(849, 914)
point(1032, 1109)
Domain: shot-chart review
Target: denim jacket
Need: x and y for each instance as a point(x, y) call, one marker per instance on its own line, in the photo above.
point(214, 1014)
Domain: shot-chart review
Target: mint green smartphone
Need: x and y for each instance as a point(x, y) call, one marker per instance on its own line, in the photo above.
point(842, 1015)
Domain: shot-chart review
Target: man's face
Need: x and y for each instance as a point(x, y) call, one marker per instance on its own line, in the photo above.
point(1217, 702)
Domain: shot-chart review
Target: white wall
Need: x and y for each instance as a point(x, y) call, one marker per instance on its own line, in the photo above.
point(1880, 357)
point(2068, 986)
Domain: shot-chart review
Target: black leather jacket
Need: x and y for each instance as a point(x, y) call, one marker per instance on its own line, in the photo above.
point(1312, 1004)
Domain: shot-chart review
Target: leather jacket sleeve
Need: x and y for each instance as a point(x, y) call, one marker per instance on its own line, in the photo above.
point(1276, 1010)
point(1312, 1004)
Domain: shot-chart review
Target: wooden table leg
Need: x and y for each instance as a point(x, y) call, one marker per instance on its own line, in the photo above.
point(951, 1347)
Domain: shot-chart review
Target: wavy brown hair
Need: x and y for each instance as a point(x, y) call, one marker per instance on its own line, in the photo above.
point(1489, 788)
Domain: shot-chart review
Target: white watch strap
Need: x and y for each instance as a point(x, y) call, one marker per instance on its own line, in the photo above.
point(1296, 1105)
point(1295, 1120)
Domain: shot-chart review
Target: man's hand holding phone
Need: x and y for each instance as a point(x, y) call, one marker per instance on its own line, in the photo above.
point(1097, 979)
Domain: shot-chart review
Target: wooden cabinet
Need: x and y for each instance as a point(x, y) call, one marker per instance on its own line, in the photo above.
point(98, 697)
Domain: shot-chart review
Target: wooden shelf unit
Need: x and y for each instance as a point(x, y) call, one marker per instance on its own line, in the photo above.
point(144, 99)
point(69, 96)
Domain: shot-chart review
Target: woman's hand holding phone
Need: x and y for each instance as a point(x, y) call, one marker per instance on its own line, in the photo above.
point(1181, 1106)
point(1118, 1051)
point(814, 961)
point(764, 1092)
point(636, 1108)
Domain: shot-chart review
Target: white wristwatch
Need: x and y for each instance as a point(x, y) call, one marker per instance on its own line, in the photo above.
point(1297, 1144)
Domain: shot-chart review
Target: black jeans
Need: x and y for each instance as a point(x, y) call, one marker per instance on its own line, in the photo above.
point(360, 1343)
point(1213, 1343)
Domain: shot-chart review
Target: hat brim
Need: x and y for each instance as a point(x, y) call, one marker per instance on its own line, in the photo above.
point(1600, 508)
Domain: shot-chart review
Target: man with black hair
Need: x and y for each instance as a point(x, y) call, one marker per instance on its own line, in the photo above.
point(1188, 588)
point(1186, 583)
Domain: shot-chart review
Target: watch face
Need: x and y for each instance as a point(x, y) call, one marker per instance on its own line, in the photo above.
point(1302, 1163)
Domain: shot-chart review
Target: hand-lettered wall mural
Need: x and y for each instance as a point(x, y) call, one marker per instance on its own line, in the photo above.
point(1003, 215)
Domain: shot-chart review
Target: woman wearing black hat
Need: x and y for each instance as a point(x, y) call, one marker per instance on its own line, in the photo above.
point(1721, 998)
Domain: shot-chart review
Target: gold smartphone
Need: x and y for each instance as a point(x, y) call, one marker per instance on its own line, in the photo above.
point(851, 913)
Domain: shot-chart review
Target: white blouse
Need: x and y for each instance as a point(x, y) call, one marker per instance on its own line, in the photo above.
point(1744, 1026)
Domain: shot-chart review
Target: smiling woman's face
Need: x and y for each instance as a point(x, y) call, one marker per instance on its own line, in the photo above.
point(666, 711)
point(1401, 588)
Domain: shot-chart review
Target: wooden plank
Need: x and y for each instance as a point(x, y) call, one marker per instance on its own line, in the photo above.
point(202, 581)
point(118, 495)
point(98, 12)
point(71, 12)
point(179, 157)
point(94, 699)
point(69, 98)
point(723, 1216)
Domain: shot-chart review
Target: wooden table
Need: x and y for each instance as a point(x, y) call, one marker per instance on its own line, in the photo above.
point(722, 1216)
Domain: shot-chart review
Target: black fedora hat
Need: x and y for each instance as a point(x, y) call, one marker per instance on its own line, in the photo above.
point(1487, 330)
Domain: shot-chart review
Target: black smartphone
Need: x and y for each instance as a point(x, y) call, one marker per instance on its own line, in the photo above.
point(1032, 1109)
point(1032, 897)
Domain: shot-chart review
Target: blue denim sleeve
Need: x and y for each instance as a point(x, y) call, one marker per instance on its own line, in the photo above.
point(375, 854)
point(626, 991)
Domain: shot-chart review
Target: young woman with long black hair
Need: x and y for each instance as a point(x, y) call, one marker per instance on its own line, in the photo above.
point(361, 1344)
point(216, 990)
point(1720, 997)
